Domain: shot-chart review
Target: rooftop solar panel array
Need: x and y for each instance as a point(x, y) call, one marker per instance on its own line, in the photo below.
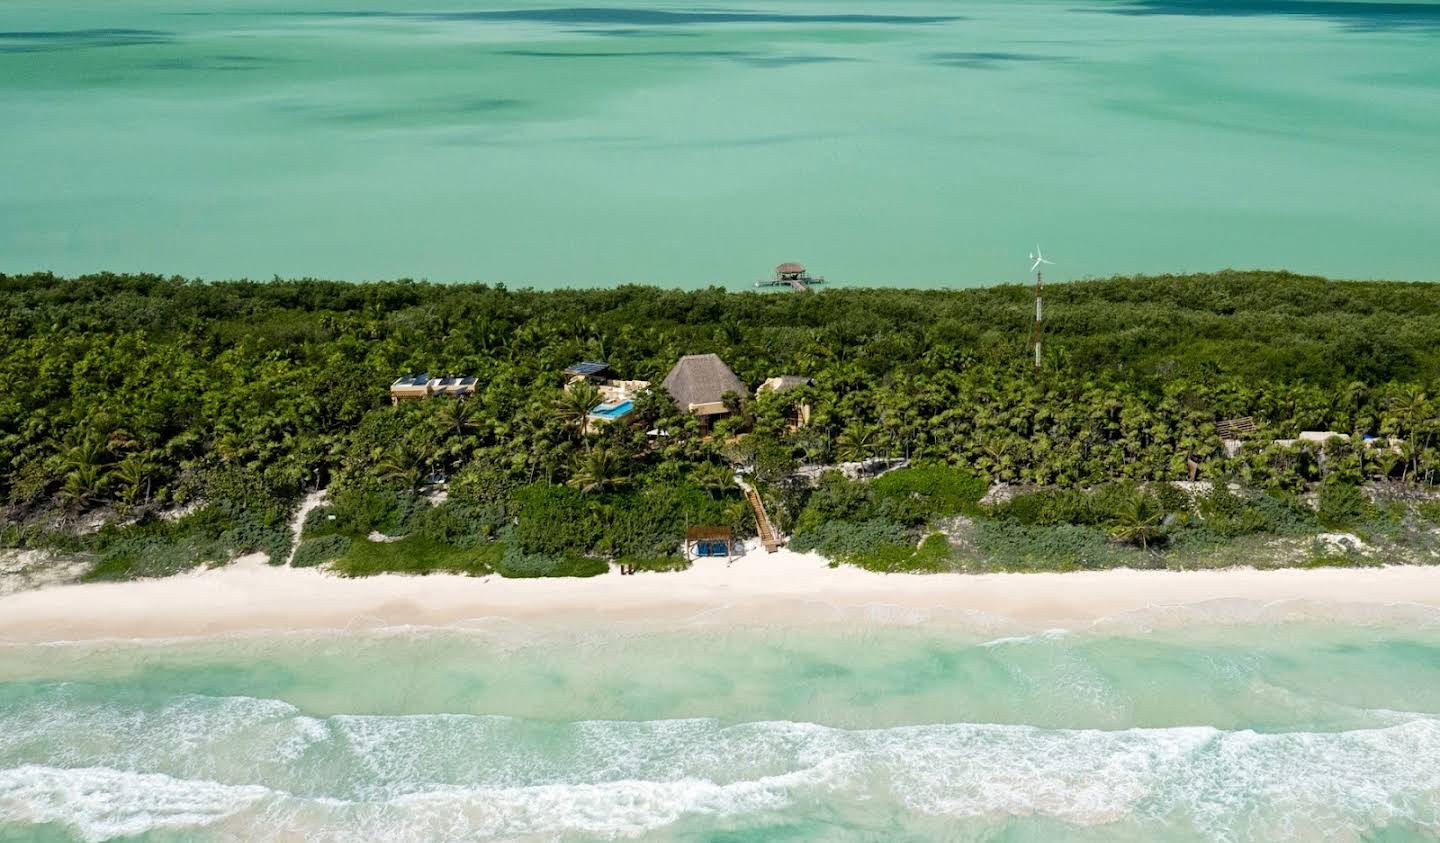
point(587, 368)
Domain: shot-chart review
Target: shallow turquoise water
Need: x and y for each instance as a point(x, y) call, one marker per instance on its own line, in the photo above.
point(854, 730)
point(915, 142)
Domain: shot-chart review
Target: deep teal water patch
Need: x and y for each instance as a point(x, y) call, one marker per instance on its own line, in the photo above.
point(987, 59)
point(647, 17)
point(624, 54)
point(78, 39)
point(1363, 16)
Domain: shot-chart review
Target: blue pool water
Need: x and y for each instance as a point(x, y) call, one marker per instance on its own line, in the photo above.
point(612, 411)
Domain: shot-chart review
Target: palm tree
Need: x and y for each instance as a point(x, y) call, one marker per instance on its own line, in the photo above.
point(89, 451)
point(134, 473)
point(857, 442)
point(1138, 520)
point(597, 470)
point(574, 405)
point(813, 447)
point(1412, 407)
point(82, 485)
point(85, 469)
point(458, 416)
point(406, 466)
point(714, 478)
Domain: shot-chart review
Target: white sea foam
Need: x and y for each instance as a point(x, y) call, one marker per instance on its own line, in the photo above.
point(450, 777)
point(98, 803)
point(1044, 635)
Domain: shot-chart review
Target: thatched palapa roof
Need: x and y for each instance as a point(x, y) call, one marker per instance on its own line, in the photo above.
point(698, 383)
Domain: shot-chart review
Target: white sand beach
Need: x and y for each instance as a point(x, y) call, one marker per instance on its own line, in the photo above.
point(251, 596)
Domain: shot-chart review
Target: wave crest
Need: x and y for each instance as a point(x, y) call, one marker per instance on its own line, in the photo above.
point(440, 777)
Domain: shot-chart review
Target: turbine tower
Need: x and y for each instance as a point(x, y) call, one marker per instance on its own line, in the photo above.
point(1037, 259)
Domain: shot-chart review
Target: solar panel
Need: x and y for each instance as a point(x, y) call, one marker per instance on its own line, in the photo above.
point(587, 368)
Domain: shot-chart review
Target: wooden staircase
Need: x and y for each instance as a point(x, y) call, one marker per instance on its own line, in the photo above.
point(768, 537)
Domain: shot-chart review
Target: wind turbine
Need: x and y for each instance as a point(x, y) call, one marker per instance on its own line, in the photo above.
point(1037, 259)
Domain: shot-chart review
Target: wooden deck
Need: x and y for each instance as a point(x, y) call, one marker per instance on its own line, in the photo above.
point(801, 283)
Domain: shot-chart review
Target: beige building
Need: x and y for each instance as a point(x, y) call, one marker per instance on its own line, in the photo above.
point(420, 387)
point(601, 376)
point(784, 383)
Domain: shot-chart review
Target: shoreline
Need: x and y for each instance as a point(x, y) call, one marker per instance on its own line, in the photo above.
point(785, 588)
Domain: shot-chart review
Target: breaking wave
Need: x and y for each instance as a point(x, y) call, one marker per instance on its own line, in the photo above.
point(237, 767)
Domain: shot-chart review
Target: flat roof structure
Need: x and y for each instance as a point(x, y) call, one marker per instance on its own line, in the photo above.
point(587, 368)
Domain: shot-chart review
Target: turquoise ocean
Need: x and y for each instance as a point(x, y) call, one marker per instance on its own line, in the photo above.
point(886, 142)
point(1265, 724)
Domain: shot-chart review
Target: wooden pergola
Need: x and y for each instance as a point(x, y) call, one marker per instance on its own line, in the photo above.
point(1235, 428)
point(696, 535)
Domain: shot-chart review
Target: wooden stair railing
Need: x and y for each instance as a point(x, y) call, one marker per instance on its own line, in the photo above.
point(763, 526)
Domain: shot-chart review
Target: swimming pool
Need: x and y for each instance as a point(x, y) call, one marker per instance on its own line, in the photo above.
point(611, 411)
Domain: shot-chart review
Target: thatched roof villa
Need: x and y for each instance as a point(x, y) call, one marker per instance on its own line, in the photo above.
point(698, 384)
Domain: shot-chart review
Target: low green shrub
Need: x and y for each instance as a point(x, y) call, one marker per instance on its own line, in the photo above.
point(554, 520)
point(1339, 560)
point(929, 490)
point(845, 540)
point(33, 537)
point(1343, 505)
point(517, 564)
point(877, 545)
point(416, 555)
point(1173, 498)
point(1050, 507)
point(1229, 515)
point(1009, 546)
point(1284, 513)
point(460, 524)
point(156, 548)
point(144, 556)
point(835, 498)
point(1430, 511)
point(655, 563)
point(319, 550)
point(359, 512)
point(930, 556)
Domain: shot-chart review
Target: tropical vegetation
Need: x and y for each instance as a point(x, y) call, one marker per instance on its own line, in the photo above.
point(139, 414)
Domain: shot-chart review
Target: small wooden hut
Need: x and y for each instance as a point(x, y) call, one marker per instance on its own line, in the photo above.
point(703, 541)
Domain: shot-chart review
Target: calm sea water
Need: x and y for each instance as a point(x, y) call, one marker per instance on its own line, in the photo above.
point(908, 142)
point(1294, 731)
